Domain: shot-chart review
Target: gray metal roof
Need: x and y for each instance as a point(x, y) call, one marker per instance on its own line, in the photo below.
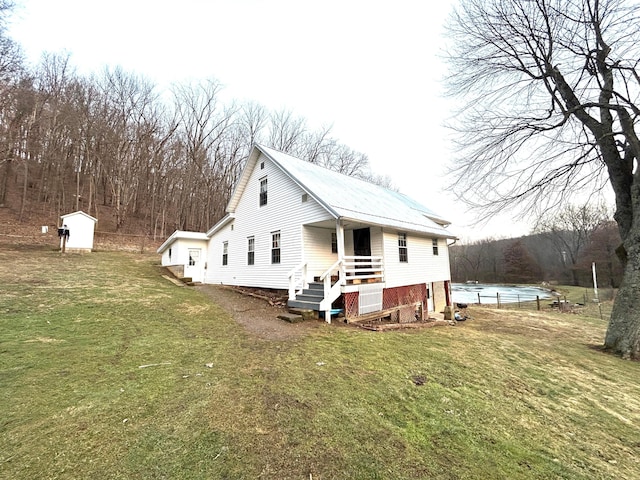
point(351, 198)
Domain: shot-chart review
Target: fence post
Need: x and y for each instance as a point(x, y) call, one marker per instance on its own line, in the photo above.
point(498, 299)
point(519, 301)
point(479, 303)
point(538, 301)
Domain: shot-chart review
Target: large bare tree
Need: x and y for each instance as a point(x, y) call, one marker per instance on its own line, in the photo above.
point(550, 94)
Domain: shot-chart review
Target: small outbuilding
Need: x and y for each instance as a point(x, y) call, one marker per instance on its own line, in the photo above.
point(79, 230)
point(185, 253)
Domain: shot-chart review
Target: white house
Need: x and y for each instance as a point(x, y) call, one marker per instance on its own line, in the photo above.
point(333, 241)
point(185, 254)
point(80, 228)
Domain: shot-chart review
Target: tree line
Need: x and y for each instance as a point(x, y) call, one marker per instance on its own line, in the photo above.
point(562, 248)
point(112, 142)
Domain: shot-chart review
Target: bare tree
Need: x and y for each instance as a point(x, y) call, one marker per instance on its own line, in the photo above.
point(212, 152)
point(11, 75)
point(569, 230)
point(286, 131)
point(601, 250)
point(550, 92)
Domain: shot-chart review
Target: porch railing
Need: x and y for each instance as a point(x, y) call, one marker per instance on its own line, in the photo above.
point(331, 291)
point(352, 270)
point(297, 280)
point(359, 269)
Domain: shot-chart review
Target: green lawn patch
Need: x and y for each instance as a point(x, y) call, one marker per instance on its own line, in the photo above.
point(110, 371)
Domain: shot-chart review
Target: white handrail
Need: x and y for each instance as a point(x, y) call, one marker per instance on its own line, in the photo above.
point(330, 270)
point(293, 283)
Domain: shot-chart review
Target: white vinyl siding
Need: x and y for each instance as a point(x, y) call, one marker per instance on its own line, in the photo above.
point(216, 273)
point(423, 266)
point(180, 251)
point(317, 245)
point(283, 212)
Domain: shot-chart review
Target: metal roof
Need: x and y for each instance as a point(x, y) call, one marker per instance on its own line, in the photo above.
point(354, 199)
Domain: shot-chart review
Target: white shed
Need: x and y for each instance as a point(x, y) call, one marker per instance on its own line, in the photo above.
point(81, 228)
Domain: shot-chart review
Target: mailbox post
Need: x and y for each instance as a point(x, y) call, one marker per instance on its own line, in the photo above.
point(64, 234)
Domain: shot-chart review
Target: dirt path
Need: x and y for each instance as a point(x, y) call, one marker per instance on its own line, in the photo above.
point(257, 315)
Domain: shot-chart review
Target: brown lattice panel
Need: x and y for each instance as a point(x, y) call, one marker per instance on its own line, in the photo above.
point(405, 295)
point(351, 304)
point(392, 298)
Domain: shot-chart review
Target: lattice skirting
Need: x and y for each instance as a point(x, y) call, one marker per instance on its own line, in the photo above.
point(391, 298)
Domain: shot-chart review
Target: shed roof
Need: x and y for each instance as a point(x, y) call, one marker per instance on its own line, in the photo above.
point(181, 235)
point(348, 197)
point(79, 212)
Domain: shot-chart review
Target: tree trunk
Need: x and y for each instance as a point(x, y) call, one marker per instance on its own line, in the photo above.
point(25, 184)
point(623, 333)
point(4, 187)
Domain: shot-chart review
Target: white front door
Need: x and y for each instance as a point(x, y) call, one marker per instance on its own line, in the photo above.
point(193, 268)
point(430, 297)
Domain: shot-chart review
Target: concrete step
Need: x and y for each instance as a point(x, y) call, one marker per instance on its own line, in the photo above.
point(291, 317)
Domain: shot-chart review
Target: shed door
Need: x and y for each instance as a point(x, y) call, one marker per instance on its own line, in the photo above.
point(193, 268)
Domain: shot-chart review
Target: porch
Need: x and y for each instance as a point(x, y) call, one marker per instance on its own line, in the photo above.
point(350, 274)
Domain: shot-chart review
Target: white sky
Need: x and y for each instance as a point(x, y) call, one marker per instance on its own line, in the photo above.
point(369, 68)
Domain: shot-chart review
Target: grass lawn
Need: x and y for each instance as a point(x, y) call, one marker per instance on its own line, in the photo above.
point(107, 370)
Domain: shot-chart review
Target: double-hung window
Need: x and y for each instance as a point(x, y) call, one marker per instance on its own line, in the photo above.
point(263, 191)
point(334, 242)
point(251, 248)
point(225, 253)
point(434, 242)
point(275, 247)
point(402, 247)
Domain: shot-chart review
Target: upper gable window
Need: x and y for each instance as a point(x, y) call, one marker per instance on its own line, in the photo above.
point(263, 191)
point(434, 242)
point(402, 248)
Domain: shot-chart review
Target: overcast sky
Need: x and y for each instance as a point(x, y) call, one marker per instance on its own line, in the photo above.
point(369, 68)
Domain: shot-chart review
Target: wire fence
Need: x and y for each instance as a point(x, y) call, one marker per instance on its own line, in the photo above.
point(572, 302)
